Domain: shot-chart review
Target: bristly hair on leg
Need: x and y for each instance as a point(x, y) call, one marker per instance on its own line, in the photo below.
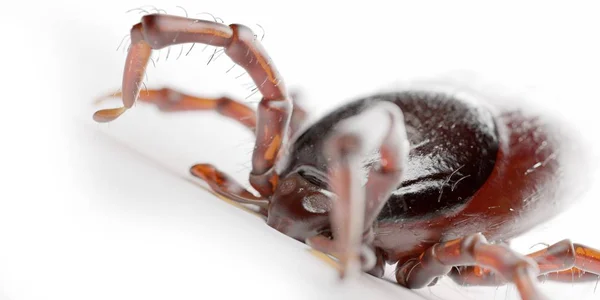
point(181, 49)
point(546, 245)
point(214, 57)
point(157, 10)
point(230, 68)
point(158, 55)
point(253, 91)
point(215, 19)
point(263, 32)
point(184, 10)
point(122, 40)
point(139, 9)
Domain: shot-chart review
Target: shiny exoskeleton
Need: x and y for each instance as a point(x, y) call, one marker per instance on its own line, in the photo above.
point(420, 178)
point(453, 151)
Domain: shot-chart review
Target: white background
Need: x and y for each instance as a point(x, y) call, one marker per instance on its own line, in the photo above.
point(109, 211)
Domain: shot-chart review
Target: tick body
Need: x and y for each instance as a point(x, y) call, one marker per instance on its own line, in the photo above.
point(459, 150)
point(434, 182)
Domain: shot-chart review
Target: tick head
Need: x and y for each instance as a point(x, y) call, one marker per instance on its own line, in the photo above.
point(299, 208)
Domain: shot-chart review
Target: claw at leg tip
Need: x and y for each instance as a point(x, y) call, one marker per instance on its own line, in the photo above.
point(349, 270)
point(107, 115)
point(325, 258)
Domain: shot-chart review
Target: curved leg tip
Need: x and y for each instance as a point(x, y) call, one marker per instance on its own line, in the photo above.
point(108, 115)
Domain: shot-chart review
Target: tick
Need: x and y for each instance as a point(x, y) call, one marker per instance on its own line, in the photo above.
point(432, 182)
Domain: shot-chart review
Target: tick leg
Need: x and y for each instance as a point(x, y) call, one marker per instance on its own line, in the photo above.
point(478, 276)
point(563, 261)
point(168, 100)
point(299, 114)
point(227, 187)
point(472, 250)
point(355, 207)
point(565, 255)
point(157, 31)
point(371, 260)
point(571, 275)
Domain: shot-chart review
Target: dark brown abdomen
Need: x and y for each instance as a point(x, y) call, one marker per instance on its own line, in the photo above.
point(453, 150)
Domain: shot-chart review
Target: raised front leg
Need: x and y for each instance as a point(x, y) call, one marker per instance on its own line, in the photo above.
point(356, 206)
point(472, 250)
point(274, 110)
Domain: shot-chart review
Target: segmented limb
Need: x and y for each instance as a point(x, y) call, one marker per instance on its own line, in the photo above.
point(169, 100)
point(563, 261)
point(472, 250)
point(299, 114)
point(157, 31)
point(356, 207)
point(227, 187)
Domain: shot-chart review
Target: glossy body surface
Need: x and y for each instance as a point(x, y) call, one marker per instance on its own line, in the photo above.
point(453, 150)
point(471, 168)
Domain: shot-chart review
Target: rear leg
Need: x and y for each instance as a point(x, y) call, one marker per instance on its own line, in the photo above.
point(473, 250)
point(564, 261)
point(479, 276)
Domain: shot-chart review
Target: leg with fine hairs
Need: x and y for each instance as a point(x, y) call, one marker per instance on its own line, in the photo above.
point(472, 250)
point(563, 261)
point(571, 275)
point(157, 31)
point(478, 276)
point(169, 100)
point(356, 207)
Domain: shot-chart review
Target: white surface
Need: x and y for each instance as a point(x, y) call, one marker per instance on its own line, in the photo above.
point(92, 211)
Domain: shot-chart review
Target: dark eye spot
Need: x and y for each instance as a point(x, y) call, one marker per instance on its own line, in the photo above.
point(316, 203)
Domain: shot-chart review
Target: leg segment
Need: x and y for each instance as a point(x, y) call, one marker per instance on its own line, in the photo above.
point(169, 100)
point(274, 110)
point(565, 255)
point(299, 114)
point(227, 187)
point(478, 276)
point(355, 207)
point(571, 275)
point(472, 250)
point(563, 261)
